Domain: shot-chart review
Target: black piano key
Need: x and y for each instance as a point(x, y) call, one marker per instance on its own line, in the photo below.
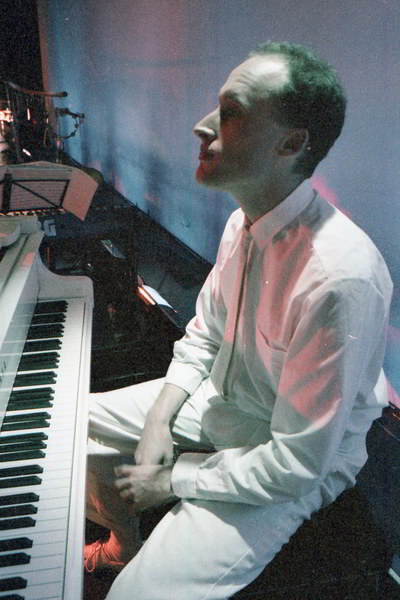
point(20, 425)
point(51, 306)
point(48, 318)
point(23, 470)
point(42, 345)
point(36, 332)
point(20, 481)
point(34, 416)
point(18, 499)
point(27, 363)
point(21, 543)
point(43, 360)
point(18, 510)
point(6, 524)
point(39, 356)
point(11, 406)
point(27, 455)
point(38, 366)
point(21, 446)
point(12, 560)
point(38, 361)
point(42, 378)
point(24, 399)
point(23, 437)
point(12, 583)
point(43, 392)
point(12, 597)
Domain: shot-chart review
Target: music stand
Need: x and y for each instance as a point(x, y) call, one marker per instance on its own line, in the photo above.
point(40, 186)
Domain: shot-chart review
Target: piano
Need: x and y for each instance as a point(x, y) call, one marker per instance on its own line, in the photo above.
point(45, 342)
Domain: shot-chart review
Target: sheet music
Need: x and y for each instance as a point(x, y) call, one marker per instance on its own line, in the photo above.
point(30, 195)
point(46, 185)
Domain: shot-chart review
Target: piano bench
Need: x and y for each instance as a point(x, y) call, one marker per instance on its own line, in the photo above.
point(339, 554)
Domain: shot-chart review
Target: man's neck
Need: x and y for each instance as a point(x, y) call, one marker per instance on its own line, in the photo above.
point(256, 205)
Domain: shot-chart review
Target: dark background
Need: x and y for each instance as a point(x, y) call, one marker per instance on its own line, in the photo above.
point(19, 44)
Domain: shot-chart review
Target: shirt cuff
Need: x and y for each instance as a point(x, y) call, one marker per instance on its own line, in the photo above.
point(184, 473)
point(184, 376)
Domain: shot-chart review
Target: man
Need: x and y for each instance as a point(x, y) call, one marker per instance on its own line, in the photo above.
point(278, 377)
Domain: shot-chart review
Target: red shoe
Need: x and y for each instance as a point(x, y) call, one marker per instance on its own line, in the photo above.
point(98, 556)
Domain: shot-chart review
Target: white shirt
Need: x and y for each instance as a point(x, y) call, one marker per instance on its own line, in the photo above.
point(290, 326)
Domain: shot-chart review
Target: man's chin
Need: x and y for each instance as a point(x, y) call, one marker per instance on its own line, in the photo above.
point(207, 178)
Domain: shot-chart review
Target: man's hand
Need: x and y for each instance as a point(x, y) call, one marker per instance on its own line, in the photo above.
point(155, 446)
point(144, 485)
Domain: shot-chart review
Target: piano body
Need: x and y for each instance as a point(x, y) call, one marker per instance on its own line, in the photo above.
point(45, 342)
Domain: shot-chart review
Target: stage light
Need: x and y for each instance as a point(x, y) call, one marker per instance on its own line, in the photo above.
point(6, 115)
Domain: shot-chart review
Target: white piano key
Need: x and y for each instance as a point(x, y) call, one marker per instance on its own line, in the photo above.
point(39, 538)
point(44, 585)
point(47, 548)
point(37, 564)
point(41, 526)
point(40, 488)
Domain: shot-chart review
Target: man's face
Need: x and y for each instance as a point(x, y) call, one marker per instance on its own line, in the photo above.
point(239, 138)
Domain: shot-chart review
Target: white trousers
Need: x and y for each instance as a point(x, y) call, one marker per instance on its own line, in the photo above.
point(201, 550)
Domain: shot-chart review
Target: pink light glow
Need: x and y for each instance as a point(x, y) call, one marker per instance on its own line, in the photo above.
point(320, 184)
point(394, 397)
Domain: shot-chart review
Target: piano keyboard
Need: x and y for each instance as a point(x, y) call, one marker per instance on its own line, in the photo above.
point(37, 457)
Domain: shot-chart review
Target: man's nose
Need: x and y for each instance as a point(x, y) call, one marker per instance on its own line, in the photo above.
point(208, 127)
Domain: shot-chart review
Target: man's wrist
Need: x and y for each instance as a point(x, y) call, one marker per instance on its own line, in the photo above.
point(155, 418)
point(165, 409)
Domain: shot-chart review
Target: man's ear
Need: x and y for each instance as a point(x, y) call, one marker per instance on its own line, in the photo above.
point(294, 141)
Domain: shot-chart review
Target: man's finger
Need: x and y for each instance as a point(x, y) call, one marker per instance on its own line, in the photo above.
point(121, 483)
point(126, 494)
point(123, 470)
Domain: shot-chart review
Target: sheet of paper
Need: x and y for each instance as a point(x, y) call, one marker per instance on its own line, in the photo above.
point(45, 185)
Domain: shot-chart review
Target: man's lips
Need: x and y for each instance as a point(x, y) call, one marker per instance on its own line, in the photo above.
point(205, 154)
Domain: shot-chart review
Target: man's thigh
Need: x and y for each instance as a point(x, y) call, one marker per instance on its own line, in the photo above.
point(209, 550)
point(116, 418)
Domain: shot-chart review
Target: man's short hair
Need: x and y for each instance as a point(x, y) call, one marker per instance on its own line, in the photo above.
point(312, 99)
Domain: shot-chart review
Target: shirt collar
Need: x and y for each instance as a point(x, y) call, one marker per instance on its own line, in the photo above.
point(281, 215)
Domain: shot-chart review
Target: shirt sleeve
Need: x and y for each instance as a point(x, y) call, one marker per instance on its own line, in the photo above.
point(324, 406)
point(195, 353)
